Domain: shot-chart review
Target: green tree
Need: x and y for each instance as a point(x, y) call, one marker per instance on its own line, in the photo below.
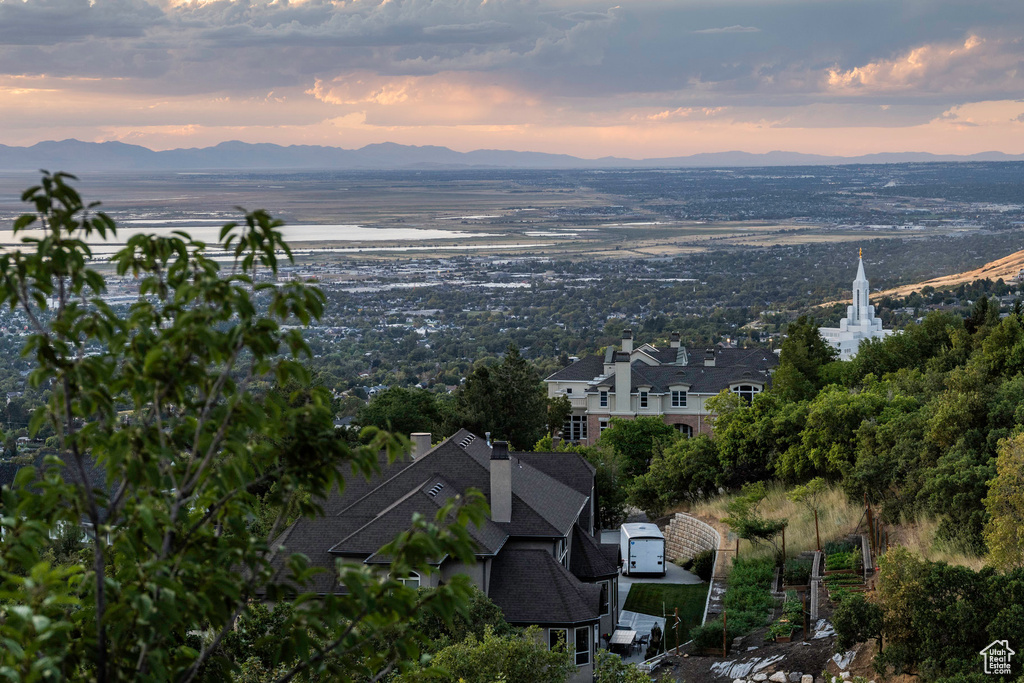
point(811, 495)
point(402, 410)
point(1005, 505)
point(686, 470)
point(169, 553)
point(747, 521)
point(559, 410)
point(507, 400)
point(611, 669)
point(636, 441)
point(801, 358)
point(513, 658)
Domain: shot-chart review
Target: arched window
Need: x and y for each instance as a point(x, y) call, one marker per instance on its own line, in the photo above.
point(746, 391)
point(685, 430)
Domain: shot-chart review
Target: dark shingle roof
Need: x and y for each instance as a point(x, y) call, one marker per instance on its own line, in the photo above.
point(730, 365)
point(369, 516)
point(583, 370)
point(531, 587)
point(589, 560)
point(568, 468)
point(357, 485)
point(426, 500)
point(700, 379)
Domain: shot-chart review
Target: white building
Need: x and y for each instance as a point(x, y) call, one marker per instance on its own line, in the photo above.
point(860, 322)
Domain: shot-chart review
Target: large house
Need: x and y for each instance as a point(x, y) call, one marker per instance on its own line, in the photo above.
point(673, 383)
point(537, 555)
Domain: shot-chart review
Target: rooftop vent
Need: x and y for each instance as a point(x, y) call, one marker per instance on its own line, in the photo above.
point(468, 440)
point(435, 489)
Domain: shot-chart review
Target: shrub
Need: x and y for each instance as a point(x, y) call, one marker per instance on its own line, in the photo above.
point(710, 634)
point(749, 599)
point(703, 564)
point(755, 572)
point(797, 572)
point(842, 546)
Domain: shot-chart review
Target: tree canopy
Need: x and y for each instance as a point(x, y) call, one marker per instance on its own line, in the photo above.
point(170, 452)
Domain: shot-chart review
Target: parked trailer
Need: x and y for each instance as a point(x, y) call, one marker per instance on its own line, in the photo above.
point(642, 546)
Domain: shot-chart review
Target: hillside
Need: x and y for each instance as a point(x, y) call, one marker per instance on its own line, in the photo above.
point(1005, 268)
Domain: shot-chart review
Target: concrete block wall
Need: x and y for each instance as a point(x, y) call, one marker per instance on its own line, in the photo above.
point(685, 536)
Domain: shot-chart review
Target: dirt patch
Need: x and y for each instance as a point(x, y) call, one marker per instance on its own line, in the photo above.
point(808, 656)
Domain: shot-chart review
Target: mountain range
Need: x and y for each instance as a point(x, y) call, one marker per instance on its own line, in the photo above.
point(234, 155)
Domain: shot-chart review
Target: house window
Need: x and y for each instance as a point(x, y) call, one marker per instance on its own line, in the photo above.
point(568, 390)
point(562, 552)
point(583, 646)
point(604, 399)
point(606, 605)
point(643, 399)
point(678, 399)
point(746, 391)
point(603, 424)
point(576, 428)
point(411, 581)
point(685, 430)
point(557, 637)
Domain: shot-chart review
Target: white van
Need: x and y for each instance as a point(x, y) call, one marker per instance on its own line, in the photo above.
point(642, 546)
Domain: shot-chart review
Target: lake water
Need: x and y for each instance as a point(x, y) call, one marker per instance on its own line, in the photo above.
point(208, 230)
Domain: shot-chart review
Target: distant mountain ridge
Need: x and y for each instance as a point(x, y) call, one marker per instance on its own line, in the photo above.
point(235, 155)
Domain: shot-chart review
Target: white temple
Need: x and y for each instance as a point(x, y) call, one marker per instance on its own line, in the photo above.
point(860, 321)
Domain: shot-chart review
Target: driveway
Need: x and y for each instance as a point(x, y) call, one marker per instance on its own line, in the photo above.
point(642, 623)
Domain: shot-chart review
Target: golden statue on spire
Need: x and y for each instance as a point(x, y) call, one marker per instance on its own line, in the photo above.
point(860, 254)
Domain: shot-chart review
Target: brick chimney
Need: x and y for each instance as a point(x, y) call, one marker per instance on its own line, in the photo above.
point(673, 340)
point(709, 358)
point(420, 444)
point(501, 483)
point(627, 341)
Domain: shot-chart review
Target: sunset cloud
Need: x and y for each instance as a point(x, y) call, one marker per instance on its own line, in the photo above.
point(581, 76)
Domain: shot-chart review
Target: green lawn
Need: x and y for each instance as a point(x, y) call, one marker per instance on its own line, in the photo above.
point(649, 598)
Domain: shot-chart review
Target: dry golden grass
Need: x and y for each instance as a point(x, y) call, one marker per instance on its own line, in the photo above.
point(920, 536)
point(838, 517)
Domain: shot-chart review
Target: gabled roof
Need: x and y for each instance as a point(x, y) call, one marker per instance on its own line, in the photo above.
point(541, 505)
point(547, 498)
point(531, 587)
point(583, 370)
point(698, 378)
point(425, 499)
point(590, 560)
point(756, 361)
point(564, 466)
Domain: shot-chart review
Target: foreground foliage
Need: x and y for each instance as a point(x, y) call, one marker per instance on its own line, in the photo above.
point(932, 618)
point(172, 447)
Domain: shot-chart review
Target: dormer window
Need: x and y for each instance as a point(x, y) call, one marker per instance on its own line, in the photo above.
point(604, 399)
point(643, 399)
point(678, 398)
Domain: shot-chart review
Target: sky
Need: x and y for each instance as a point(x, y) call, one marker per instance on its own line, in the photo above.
point(638, 79)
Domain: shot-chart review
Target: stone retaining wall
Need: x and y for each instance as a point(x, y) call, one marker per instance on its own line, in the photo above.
point(685, 536)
